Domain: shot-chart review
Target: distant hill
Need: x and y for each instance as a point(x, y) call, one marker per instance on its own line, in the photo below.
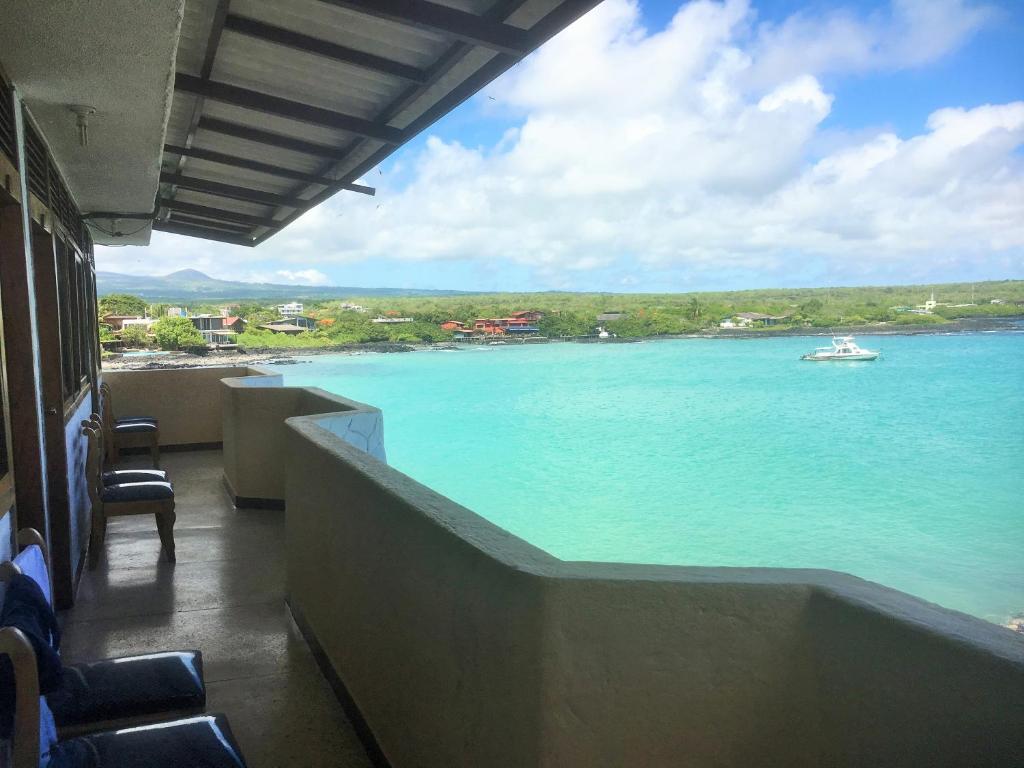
point(193, 285)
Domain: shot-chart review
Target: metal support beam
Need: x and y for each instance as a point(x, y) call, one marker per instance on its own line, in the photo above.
point(204, 232)
point(239, 131)
point(450, 22)
point(293, 110)
point(219, 214)
point(270, 170)
point(220, 13)
point(243, 162)
point(229, 190)
point(323, 48)
point(198, 221)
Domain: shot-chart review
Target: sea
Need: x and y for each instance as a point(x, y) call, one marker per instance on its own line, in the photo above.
point(907, 471)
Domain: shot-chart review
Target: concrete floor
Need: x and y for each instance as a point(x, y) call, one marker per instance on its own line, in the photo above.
point(224, 596)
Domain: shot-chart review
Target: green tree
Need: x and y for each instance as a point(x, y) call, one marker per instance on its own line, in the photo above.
point(135, 336)
point(122, 304)
point(695, 309)
point(176, 333)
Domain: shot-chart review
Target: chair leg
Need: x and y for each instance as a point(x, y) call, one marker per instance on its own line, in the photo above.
point(165, 527)
point(113, 451)
point(154, 449)
point(99, 529)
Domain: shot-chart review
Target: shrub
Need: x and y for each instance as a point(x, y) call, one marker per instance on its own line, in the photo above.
point(176, 333)
point(135, 336)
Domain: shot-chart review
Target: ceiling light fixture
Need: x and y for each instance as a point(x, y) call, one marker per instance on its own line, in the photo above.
point(83, 112)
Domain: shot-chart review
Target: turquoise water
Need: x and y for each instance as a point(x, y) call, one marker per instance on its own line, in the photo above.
point(908, 471)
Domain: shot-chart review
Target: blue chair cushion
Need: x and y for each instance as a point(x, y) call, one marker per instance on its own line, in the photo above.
point(131, 686)
point(133, 427)
point(204, 741)
point(121, 476)
point(137, 492)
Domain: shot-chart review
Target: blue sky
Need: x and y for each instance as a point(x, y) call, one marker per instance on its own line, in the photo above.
point(661, 145)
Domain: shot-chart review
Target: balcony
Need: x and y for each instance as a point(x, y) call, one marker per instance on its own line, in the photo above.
point(226, 596)
point(454, 643)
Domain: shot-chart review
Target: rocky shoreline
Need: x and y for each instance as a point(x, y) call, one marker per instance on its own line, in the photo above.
point(286, 356)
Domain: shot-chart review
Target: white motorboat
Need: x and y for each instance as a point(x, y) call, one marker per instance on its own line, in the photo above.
point(843, 348)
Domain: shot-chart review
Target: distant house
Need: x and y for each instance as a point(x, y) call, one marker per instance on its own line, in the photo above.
point(746, 319)
point(176, 312)
point(390, 320)
point(218, 330)
point(452, 325)
point(289, 309)
point(117, 322)
point(530, 316)
point(290, 325)
point(607, 317)
point(927, 308)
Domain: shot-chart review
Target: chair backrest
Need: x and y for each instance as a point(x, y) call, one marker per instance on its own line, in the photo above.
point(107, 404)
point(94, 462)
point(28, 738)
point(34, 728)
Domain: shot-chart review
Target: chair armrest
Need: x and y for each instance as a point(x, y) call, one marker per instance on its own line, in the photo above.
point(25, 739)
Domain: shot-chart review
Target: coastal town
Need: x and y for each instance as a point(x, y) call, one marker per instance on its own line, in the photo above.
point(133, 325)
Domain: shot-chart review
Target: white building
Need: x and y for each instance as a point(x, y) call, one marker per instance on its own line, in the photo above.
point(290, 309)
point(145, 322)
point(390, 320)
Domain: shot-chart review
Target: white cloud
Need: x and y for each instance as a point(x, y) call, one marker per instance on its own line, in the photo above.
point(290, 277)
point(698, 148)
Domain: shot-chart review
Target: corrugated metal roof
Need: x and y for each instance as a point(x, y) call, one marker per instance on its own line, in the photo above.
point(268, 89)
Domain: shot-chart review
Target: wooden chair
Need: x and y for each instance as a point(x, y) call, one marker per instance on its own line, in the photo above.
point(202, 741)
point(103, 694)
point(117, 430)
point(133, 498)
point(113, 476)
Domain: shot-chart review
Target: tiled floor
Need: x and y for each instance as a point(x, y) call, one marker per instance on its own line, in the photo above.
point(224, 596)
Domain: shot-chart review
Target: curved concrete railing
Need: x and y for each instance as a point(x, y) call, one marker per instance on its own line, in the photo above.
point(463, 645)
point(186, 401)
point(254, 409)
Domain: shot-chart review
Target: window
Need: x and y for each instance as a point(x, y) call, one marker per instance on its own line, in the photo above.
point(77, 324)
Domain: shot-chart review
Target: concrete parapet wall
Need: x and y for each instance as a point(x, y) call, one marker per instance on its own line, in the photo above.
point(463, 645)
point(255, 448)
point(187, 401)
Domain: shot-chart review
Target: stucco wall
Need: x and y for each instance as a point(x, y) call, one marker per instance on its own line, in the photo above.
point(187, 401)
point(76, 448)
point(254, 431)
point(465, 646)
point(438, 642)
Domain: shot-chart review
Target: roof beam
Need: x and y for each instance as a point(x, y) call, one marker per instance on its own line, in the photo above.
point(243, 162)
point(450, 22)
point(254, 165)
point(239, 131)
point(199, 221)
point(220, 214)
point(212, 44)
point(229, 190)
point(323, 48)
point(293, 110)
point(191, 230)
